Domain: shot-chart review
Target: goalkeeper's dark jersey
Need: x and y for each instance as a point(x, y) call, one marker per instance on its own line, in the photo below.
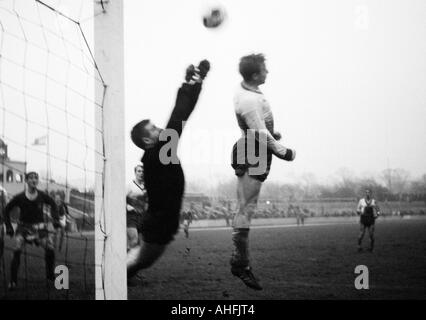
point(164, 183)
point(31, 211)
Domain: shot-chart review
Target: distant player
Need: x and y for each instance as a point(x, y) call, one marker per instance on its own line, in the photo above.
point(187, 218)
point(32, 226)
point(227, 212)
point(137, 204)
point(164, 178)
point(63, 218)
point(253, 112)
point(300, 216)
point(368, 210)
point(3, 200)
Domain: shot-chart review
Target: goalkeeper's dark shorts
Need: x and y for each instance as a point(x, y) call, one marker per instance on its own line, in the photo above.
point(240, 162)
point(134, 220)
point(160, 226)
point(367, 220)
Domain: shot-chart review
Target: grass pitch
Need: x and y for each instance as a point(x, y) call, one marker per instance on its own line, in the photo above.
point(32, 284)
point(307, 262)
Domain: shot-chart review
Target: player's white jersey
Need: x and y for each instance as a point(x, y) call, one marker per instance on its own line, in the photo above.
point(254, 112)
point(363, 203)
point(136, 197)
point(250, 103)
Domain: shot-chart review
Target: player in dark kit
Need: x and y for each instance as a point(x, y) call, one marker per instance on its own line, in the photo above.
point(63, 214)
point(368, 210)
point(32, 225)
point(187, 220)
point(164, 178)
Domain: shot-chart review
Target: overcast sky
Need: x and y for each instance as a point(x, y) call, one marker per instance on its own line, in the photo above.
point(346, 83)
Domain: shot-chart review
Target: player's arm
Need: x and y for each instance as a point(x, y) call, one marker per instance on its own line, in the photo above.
point(186, 100)
point(14, 202)
point(54, 210)
point(67, 213)
point(377, 209)
point(255, 121)
point(129, 206)
point(129, 202)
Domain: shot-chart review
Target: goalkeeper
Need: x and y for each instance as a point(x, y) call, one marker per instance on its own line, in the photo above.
point(164, 178)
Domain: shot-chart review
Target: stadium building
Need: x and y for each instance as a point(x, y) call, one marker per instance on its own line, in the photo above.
point(11, 171)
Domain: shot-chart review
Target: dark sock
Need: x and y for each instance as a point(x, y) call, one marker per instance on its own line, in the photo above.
point(14, 266)
point(360, 240)
point(372, 243)
point(49, 258)
point(240, 255)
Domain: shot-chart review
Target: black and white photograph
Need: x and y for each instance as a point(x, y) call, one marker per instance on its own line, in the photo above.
point(204, 150)
point(48, 149)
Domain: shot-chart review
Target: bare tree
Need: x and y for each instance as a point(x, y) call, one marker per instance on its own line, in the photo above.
point(346, 177)
point(308, 181)
point(396, 180)
point(347, 183)
point(418, 187)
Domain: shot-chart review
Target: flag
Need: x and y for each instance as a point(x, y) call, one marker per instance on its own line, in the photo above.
point(40, 141)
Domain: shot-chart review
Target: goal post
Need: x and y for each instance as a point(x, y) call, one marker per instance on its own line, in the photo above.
point(110, 232)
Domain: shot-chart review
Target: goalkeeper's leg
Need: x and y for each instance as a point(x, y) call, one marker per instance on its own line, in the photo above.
point(158, 231)
point(143, 256)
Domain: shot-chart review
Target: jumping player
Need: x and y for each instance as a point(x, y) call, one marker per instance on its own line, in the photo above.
point(137, 203)
point(32, 225)
point(368, 210)
point(164, 178)
point(256, 122)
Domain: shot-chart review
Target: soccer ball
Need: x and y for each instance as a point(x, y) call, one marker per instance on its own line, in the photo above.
point(213, 17)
